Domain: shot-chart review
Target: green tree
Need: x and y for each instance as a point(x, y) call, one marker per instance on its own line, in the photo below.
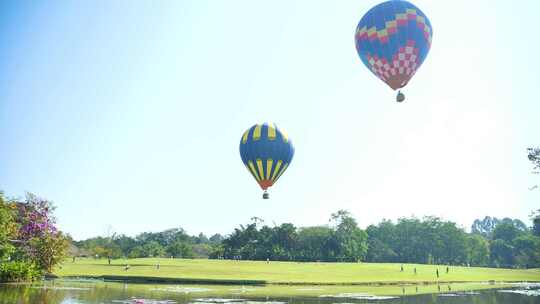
point(136, 252)
point(152, 249)
point(429, 240)
point(378, 251)
point(313, 243)
point(264, 245)
point(112, 250)
point(216, 239)
point(535, 218)
point(506, 231)
point(243, 242)
point(485, 226)
point(200, 250)
point(51, 250)
point(351, 239)
point(527, 251)
point(477, 249)
point(381, 242)
point(125, 244)
point(200, 239)
point(501, 253)
point(284, 239)
point(414, 243)
point(164, 238)
point(8, 228)
point(216, 252)
point(453, 242)
point(179, 249)
point(534, 157)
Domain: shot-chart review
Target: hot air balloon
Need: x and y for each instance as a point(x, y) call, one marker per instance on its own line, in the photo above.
point(393, 39)
point(267, 152)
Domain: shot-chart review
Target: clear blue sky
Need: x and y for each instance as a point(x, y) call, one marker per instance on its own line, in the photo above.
point(129, 113)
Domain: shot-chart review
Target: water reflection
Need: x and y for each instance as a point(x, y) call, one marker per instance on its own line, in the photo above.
point(106, 292)
point(144, 301)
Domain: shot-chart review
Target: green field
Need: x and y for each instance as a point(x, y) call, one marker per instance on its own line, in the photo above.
point(255, 272)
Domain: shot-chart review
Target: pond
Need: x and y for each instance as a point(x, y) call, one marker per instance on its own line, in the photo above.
point(88, 291)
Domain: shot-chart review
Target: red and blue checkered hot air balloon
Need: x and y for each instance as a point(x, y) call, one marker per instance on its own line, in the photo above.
point(393, 39)
point(266, 151)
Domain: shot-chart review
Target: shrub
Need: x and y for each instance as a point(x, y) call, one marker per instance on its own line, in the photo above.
point(17, 271)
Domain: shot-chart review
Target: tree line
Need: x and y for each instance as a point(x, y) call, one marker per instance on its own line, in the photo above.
point(175, 243)
point(491, 242)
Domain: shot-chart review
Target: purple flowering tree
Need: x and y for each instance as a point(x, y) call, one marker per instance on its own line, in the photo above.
point(39, 238)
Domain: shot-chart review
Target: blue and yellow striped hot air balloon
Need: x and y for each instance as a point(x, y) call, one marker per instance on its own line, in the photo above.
point(267, 152)
point(393, 40)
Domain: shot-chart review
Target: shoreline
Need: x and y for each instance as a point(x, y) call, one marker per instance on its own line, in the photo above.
point(190, 281)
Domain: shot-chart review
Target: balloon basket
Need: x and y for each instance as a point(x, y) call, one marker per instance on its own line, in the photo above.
point(266, 195)
point(400, 97)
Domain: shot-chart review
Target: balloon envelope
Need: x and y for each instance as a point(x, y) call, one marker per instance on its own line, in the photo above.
point(266, 151)
point(393, 39)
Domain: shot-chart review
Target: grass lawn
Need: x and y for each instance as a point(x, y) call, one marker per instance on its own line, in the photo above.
point(226, 271)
